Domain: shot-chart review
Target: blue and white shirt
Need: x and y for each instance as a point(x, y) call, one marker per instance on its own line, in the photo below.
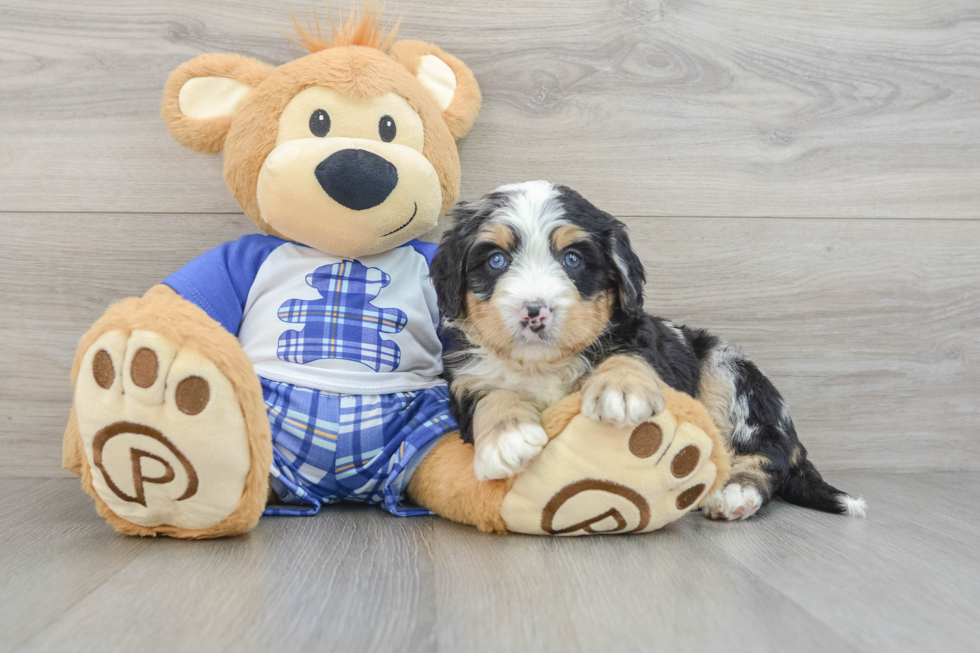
point(351, 326)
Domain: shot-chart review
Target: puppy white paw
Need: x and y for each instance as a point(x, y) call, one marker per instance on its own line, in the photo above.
point(614, 402)
point(733, 502)
point(508, 451)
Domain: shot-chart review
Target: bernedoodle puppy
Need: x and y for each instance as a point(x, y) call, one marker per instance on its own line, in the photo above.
point(542, 295)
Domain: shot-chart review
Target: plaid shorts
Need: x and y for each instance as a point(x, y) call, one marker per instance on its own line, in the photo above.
point(329, 447)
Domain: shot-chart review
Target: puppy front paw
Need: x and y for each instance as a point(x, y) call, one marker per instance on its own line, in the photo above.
point(621, 401)
point(508, 450)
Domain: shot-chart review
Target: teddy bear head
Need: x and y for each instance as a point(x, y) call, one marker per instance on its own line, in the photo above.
point(350, 149)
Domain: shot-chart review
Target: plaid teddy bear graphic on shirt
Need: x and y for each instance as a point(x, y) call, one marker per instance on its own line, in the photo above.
point(344, 324)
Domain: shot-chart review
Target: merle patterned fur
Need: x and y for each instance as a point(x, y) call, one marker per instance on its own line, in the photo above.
point(681, 355)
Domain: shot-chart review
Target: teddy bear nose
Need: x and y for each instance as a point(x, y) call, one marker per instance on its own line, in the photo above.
point(357, 179)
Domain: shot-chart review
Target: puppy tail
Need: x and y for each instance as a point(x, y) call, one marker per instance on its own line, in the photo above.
point(805, 487)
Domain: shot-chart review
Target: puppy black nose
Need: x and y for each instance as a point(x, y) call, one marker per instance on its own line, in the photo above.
point(357, 179)
point(535, 317)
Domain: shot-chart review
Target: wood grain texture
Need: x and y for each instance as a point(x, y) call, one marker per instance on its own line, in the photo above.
point(53, 554)
point(355, 578)
point(699, 108)
point(907, 565)
point(535, 594)
point(871, 334)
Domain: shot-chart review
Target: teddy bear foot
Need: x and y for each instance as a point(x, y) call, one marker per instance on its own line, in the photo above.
point(164, 443)
point(597, 478)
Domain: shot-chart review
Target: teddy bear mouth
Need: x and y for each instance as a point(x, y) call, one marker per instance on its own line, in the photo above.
point(414, 211)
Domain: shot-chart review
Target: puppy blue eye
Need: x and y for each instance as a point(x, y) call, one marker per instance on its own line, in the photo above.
point(497, 261)
point(572, 260)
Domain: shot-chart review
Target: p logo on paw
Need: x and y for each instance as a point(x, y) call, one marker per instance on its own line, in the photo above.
point(574, 500)
point(134, 476)
point(162, 431)
point(593, 478)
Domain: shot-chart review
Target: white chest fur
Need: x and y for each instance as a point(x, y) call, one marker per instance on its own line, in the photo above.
point(544, 383)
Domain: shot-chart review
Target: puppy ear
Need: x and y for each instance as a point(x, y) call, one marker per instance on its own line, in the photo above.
point(629, 270)
point(201, 96)
point(448, 268)
point(446, 78)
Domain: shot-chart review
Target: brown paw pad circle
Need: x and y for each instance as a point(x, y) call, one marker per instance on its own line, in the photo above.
point(103, 370)
point(192, 395)
point(143, 369)
point(687, 498)
point(685, 461)
point(645, 440)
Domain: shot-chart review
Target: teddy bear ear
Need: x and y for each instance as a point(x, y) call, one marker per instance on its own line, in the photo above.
point(201, 96)
point(447, 78)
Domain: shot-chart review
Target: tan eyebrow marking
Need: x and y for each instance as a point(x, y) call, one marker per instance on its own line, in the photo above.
point(566, 235)
point(498, 234)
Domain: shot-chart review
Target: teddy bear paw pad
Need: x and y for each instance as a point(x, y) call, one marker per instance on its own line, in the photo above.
point(163, 432)
point(596, 478)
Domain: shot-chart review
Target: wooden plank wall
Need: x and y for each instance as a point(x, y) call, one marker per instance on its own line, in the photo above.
point(803, 178)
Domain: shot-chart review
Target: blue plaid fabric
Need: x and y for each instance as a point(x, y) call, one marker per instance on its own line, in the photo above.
point(344, 324)
point(329, 448)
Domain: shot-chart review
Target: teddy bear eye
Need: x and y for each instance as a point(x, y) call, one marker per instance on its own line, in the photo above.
point(319, 123)
point(386, 128)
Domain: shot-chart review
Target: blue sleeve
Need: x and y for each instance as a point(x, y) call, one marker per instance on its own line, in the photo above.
point(218, 281)
point(427, 250)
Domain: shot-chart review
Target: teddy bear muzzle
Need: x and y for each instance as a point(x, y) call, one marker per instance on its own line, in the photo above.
point(348, 196)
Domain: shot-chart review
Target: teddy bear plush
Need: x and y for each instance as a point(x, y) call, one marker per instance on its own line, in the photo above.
point(591, 478)
point(302, 366)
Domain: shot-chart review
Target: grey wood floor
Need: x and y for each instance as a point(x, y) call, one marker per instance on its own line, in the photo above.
point(357, 579)
point(802, 178)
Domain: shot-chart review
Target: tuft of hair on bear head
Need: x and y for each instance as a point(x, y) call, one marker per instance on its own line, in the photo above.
point(362, 28)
